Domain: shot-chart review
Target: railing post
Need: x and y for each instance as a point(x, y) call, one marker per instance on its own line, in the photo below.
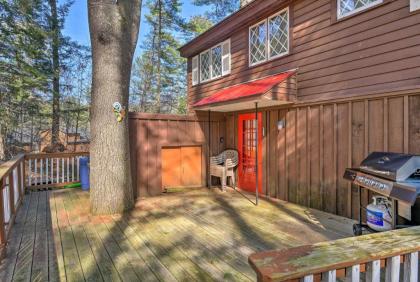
point(24, 176)
point(411, 266)
point(19, 176)
point(373, 271)
point(2, 227)
point(353, 273)
point(11, 194)
point(308, 278)
point(393, 269)
point(329, 276)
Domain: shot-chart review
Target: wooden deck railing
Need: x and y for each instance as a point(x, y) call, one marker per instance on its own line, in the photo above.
point(52, 170)
point(392, 254)
point(32, 171)
point(11, 195)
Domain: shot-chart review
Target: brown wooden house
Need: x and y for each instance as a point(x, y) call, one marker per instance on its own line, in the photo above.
point(332, 80)
point(71, 142)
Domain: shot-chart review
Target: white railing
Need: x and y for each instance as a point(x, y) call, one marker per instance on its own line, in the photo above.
point(52, 170)
point(393, 255)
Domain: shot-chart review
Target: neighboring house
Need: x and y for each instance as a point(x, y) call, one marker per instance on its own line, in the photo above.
point(71, 142)
point(331, 80)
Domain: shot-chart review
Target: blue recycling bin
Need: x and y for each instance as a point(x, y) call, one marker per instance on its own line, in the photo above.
point(84, 173)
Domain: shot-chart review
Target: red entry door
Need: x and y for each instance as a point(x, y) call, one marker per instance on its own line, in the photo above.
point(247, 141)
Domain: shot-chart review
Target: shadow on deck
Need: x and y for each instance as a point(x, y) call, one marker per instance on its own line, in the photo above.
point(200, 234)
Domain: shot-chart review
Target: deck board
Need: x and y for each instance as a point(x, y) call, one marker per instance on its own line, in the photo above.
point(40, 255)
point(23, 267)
point(8, 266)
point(196, 234)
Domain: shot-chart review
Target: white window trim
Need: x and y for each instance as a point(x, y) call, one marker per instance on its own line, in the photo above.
point(267, 51)
point(211, 62)
point(288, 35)
point(340, 16)
point(249, 43)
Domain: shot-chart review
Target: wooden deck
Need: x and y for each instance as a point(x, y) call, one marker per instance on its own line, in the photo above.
point(202, 235)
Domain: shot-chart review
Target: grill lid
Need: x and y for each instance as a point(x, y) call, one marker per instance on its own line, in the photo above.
point(393, 166)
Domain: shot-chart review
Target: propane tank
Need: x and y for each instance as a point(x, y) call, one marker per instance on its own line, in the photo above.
point(378, 214)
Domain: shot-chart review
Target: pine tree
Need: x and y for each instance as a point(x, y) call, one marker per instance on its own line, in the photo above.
point(159, 72)
point(218, 9)
point(23, 61)
point(196, 26)
point(29, 69)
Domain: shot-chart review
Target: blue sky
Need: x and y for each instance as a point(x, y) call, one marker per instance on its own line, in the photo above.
point(76, 25)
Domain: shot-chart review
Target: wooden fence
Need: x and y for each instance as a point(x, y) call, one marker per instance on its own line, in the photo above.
point(392, 254)
point(150, 132)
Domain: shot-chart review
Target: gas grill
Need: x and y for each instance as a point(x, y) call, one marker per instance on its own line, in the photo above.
point(396, 176)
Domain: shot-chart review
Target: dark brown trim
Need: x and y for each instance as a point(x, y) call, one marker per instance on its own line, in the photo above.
point(333, 11)
point(291, 24)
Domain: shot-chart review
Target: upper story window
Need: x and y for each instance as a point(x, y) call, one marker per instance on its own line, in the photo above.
point(212, 63)
point(349, 7)
point(269, 39)
point(205, 66)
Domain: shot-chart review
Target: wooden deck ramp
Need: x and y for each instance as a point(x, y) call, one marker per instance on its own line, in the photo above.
point(192, 235)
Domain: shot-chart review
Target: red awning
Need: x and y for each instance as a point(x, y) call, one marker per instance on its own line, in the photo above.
point(238, 93)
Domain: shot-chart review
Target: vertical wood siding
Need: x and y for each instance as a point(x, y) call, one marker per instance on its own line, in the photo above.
point(304, 162)
point(149, 133)
point(307, 158)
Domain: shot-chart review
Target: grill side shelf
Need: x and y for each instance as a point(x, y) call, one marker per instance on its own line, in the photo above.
point(382, 186)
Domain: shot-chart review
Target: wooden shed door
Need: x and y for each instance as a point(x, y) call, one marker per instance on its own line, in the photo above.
point(181, 167)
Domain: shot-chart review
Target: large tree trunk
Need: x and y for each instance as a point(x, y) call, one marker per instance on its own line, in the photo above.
point(114, 27)
point(55, 45)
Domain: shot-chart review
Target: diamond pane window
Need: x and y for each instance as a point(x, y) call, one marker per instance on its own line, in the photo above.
point(258, 43)
point(269, 39)
point(205, 64)
point(348, 7)
point(216, 61)
point(278, 34)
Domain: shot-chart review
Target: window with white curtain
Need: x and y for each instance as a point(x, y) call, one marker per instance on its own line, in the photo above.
point(349, 7)
point(269, 39)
